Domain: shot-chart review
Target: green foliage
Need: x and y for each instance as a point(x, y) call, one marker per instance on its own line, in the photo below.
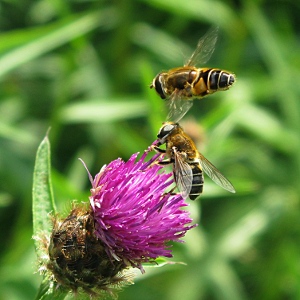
point(42, 197)
point(42, 205)
point(84, 69)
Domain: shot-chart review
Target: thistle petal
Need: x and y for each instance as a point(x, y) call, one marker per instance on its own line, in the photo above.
point(134, 215)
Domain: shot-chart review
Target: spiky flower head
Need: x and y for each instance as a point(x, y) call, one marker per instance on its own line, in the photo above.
point(134, 215)
point(130, 220)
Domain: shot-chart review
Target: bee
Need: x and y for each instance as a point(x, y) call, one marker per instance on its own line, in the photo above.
point(188, 163)
point(179, 86)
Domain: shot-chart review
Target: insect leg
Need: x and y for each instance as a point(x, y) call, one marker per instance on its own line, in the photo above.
point(158, 150)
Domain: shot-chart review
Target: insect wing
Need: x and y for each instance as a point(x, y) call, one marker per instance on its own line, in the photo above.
point(183, 174)
point(205, 48)
point(215, 174)
point(178, 107)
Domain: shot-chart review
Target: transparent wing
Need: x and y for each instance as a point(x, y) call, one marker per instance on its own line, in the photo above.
point(183, 174)
point(215, 174)
point(177, 106)
point(205, 48)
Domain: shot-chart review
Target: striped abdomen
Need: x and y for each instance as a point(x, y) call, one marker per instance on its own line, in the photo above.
point(198, 181)
point(210, 81)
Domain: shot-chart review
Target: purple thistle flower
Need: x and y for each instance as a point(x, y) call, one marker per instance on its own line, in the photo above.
point(134, 217)
point(130, 220)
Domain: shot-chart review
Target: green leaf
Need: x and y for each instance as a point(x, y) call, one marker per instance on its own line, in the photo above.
point(42, 196)
point(161, 261)
point(101, 112)
point(47, 39)
point(203, 10)
point(48, 290)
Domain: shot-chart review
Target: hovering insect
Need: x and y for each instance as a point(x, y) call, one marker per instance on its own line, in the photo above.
point(188, 163)
point(179, 86)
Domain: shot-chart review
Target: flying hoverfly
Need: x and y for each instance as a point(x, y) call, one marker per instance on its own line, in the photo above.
point(188, 163)
point(179, 86)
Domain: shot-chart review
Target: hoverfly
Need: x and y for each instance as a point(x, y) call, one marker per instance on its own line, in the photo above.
point(179, 86)
point(188, 163)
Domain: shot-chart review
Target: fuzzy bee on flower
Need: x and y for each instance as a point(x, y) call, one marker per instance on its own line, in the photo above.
point(188, 163)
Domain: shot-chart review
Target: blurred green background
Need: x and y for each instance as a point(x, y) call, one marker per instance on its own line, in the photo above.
point(84, 69)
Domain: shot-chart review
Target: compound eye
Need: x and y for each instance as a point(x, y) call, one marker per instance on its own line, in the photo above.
point(158, 85)
point(165, 131)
